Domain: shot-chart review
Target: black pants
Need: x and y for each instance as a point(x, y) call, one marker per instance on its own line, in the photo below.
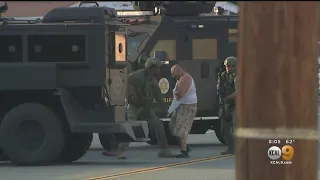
point(228, 123)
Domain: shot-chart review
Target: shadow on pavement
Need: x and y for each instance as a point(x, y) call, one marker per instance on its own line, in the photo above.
point(122, 163)
point(147, 146)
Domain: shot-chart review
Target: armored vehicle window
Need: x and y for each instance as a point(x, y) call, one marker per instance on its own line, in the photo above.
point(10, 48)
point(120, 49)
point(134, 41)
point(204, 49)
point(168, 46)
point(233, 35)
point(56, 48)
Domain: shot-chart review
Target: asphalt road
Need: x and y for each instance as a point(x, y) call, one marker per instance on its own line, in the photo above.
point(205, 163)
point(205, 151)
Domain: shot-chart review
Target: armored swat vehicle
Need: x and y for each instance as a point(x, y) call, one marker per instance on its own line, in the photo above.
point(196, 34)
point(62, 78)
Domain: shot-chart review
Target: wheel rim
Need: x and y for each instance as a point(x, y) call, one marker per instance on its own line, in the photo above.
point(31, 135)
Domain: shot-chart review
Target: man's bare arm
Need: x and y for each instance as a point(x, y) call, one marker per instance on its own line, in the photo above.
point(183, 86)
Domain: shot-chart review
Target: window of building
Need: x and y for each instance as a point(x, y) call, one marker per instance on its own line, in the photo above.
point(164, 48)
point(56, 48)
point(204, 49)
point(10, 48)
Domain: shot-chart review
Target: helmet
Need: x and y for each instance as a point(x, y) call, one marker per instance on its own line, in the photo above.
point(152, 62)
point(230, 61)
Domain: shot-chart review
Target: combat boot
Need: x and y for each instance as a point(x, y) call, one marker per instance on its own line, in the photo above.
point(165, 154)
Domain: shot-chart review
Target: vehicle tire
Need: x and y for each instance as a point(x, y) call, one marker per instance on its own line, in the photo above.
point(34, 134)
point(3, 156)
point(108, 142)
point(219, 133)
point(76, 146)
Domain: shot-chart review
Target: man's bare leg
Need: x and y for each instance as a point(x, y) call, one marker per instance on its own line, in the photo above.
point(183, 144)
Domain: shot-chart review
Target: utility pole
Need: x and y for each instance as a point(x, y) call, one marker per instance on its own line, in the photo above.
point(277, 91)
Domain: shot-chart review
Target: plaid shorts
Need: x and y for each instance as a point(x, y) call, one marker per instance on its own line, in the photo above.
point(182, 120)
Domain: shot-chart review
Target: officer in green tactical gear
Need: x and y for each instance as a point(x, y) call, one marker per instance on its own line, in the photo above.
point(227, 90)
point(3, 8)
point(142, 90)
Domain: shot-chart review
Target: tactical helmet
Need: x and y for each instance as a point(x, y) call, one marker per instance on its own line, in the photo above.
point(152, 62)
point(230, 61)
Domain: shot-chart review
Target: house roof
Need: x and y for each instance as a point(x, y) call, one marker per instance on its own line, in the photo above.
point(33, 8)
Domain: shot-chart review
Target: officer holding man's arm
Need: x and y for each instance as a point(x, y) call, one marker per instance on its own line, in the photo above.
point(142, 90)
point(227, 91)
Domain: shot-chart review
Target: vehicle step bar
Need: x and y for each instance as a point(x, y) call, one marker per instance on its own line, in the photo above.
point(196, 118)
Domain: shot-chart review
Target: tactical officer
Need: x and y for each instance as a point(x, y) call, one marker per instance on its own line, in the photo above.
point(227, 91)
point(3, 8)
point(142, 90)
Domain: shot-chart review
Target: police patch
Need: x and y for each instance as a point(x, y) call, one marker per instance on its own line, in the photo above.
point(164, 85)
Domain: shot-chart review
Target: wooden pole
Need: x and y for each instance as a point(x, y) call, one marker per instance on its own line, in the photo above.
point(277, 76)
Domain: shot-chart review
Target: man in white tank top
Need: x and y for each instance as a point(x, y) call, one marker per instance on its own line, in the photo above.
point(183, 107)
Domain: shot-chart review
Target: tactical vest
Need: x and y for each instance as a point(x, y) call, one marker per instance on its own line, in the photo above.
point(228, 85)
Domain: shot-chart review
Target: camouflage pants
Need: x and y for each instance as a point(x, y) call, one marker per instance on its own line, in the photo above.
point(132, 114)
point(228, 127)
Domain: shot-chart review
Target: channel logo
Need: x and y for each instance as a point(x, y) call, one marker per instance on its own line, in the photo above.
point(282, 155)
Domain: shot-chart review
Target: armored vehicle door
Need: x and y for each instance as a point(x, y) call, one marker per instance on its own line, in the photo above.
point(116, 72)
point(206, 46)
point(200, 46)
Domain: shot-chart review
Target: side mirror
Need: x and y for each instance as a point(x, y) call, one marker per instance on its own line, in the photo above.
point(118, 49)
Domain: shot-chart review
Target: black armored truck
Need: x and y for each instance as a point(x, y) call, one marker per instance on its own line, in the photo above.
point(63, 78)
point(196, 34)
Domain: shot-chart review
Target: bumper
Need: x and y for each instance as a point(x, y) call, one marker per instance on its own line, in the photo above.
point(123, 131)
